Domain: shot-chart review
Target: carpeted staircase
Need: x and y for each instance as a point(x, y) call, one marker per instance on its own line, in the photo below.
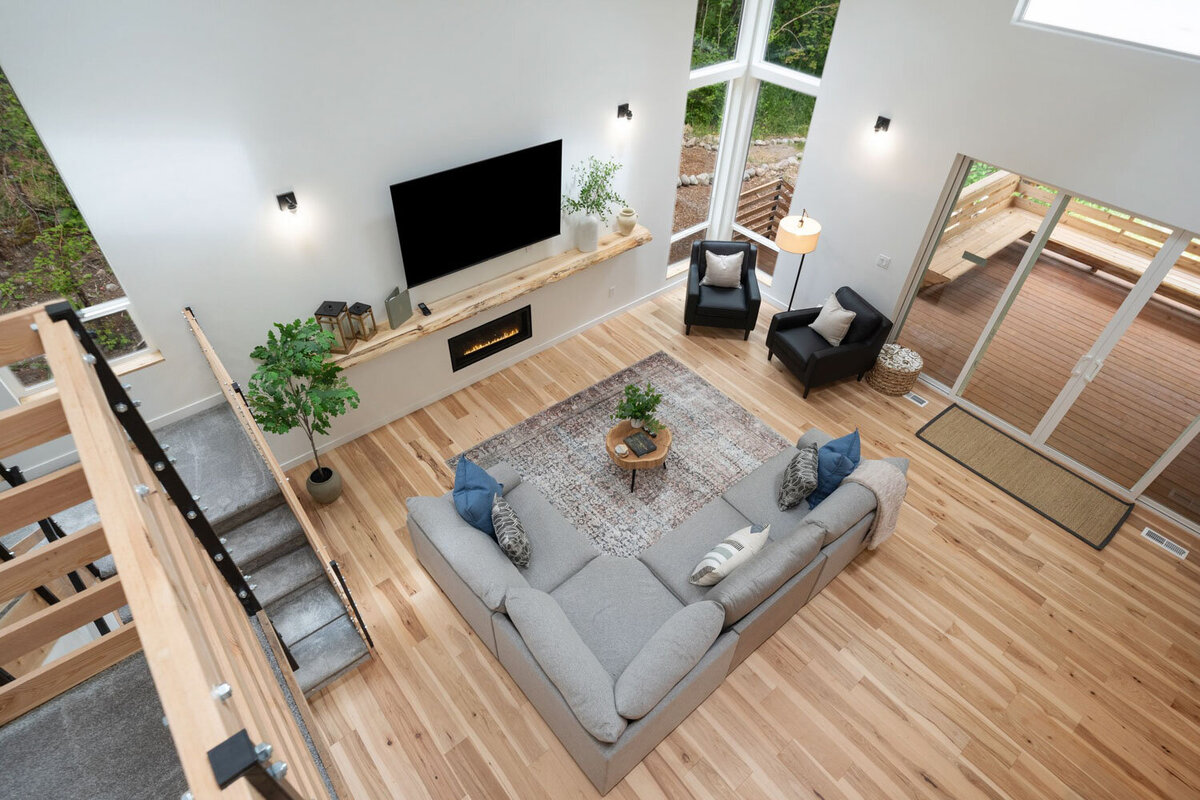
point(218, 463)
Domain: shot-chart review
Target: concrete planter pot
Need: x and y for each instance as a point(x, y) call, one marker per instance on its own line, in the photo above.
point(587, 233)
point(324, 485)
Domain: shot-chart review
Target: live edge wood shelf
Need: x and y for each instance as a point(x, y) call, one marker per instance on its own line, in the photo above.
point(500, 290)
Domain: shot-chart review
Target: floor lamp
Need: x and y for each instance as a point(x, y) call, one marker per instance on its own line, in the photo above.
point(798, 235)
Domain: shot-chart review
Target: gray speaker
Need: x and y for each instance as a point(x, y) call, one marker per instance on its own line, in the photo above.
point(399, 307)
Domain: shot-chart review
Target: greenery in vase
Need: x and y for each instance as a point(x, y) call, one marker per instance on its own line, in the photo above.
point(296, 385)
point(640, 404)
point(594, 188)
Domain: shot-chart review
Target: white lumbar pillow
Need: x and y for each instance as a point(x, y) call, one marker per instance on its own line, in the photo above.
point(723, 271)
point(729, 555)
point(833, 321)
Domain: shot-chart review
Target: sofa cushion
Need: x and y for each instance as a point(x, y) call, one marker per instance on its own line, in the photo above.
point(814, 436)
point(506, 475)
point(755, 581)
point(848, 504)
point(473, 492)
point(616, 605)
point(567, 661)
point(556, 550)
point(756, 496)
point(673, 556)
point(470, 552)
point(671, 653)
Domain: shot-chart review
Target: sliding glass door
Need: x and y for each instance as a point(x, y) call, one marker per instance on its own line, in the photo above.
point(1090, 341)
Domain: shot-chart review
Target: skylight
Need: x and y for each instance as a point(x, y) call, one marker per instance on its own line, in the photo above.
point(1172, 25)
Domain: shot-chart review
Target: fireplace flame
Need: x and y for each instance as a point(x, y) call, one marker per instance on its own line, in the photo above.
point(507, 333)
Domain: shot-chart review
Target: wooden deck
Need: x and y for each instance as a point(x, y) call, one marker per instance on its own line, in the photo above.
point(980, 653)
point(1147, 392)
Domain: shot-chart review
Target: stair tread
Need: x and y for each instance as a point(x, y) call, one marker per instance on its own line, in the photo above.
point(286, 575)
point(218, 462)
point(304, 613)
point(264, 538)
point(326, 652)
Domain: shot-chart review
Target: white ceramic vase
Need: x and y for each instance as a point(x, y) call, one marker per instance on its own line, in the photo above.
point(626, 221)
point(587, 233)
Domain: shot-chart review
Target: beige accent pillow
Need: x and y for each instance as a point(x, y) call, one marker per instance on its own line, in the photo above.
point(833, 321)
point(723, 271)
point(730, 554)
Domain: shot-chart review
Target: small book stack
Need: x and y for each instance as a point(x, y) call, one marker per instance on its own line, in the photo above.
point(640, 444)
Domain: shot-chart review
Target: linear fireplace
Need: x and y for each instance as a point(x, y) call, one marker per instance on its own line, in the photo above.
point(490, 338)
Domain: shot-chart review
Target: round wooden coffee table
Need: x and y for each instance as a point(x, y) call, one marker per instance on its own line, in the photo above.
point(629, 461)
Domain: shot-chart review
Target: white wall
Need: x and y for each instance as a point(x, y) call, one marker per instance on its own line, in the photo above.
point(1110, 122)
point(175, 125)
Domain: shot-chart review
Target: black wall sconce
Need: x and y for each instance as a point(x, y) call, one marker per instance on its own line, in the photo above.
point(882, 124)
point(287, 201)
point(625, 112)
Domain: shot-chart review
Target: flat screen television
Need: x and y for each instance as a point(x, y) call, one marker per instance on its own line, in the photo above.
point(454, 219)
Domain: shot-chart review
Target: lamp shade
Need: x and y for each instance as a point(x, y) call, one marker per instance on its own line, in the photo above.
point(798, 234)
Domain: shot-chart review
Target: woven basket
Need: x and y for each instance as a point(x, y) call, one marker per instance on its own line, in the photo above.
point(895, 370)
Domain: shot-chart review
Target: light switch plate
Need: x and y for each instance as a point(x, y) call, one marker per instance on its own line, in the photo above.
point(883, 261)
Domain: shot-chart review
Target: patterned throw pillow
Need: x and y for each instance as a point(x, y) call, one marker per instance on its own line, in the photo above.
point(729, 555)
point(799, 478)
point(510, 533)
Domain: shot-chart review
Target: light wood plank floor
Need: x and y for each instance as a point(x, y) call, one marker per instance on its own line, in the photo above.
point(981, 653)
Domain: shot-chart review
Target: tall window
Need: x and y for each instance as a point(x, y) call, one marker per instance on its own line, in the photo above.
point(47, 251)
point(756, 69)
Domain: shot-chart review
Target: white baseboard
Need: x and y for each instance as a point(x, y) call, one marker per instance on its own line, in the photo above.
point(499, 364)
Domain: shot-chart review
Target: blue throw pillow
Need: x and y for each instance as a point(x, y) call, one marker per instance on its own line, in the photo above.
point(474, 490)
point(835, 461)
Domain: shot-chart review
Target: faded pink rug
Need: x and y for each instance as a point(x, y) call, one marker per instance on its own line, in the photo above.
point(561, 451)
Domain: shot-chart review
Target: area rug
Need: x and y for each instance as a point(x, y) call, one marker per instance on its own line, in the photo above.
point(1075, 505)
point(561, 451)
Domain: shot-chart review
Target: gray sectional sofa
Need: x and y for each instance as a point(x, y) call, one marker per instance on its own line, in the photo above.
point(614, 652)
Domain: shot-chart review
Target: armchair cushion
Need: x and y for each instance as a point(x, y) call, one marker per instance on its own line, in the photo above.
point(804, 342)
point(719, 301)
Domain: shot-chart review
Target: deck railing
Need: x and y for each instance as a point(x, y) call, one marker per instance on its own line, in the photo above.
point(761, 207)
point(215, 683)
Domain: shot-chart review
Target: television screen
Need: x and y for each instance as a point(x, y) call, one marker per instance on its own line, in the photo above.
point(451, 220)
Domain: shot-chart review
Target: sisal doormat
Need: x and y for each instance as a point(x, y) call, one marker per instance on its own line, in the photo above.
point(561, 451)
point(1059, 495)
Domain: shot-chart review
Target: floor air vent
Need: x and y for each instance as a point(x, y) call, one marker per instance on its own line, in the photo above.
point(913, 397)
point(1164, 543)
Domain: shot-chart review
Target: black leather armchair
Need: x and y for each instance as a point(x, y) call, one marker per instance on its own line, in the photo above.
point(717, 306)
point(812, 359)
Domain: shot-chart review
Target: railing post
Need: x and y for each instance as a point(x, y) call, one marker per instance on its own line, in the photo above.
point(143, 438)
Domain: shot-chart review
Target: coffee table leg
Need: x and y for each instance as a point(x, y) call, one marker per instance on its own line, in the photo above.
point(632, 478)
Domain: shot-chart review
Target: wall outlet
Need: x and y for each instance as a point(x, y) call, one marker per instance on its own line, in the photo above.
point(882, 261)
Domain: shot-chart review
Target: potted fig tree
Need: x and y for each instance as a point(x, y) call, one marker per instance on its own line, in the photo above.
point(297, 386)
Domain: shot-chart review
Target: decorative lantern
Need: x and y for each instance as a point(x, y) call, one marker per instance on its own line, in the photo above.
point(332, 317)
point(362, 320)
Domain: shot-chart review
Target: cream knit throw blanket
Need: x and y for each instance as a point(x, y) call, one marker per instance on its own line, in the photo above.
point(888, 483)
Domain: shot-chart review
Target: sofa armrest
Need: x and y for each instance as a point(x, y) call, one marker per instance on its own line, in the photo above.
point(670, 655)
point(471, 553)
point(567, 661)
point(506, 475)
point(772, 567)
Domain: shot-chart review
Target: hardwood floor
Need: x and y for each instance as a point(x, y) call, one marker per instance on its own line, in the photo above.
point(982, 652)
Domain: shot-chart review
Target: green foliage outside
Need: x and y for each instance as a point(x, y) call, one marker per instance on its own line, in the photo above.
point(46, 249)
point(798, 39)
point(296, 385)
point(978, 171)
point(595, 195)
point(640, 404)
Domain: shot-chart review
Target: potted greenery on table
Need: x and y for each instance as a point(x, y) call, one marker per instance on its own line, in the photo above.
point(297, 386)
point(638, 406)
point(595, 197)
